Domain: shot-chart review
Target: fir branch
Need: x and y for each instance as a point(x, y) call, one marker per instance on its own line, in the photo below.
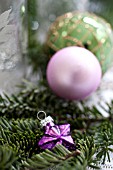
point(29, 101)
point(22, 135)
point(50, 159)
point(104, 141)
point(7, 158)
point(88, 148)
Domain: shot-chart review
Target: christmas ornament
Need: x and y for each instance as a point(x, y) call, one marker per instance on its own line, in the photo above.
point(55, 134)
point(73, 73)
point(85, 30)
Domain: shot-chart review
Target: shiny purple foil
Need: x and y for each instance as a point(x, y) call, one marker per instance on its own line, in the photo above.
point(57, 134)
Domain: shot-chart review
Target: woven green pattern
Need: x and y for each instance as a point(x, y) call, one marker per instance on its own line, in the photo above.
point(84, 30)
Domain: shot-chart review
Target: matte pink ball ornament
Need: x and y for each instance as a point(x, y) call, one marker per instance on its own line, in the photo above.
point(73, 73)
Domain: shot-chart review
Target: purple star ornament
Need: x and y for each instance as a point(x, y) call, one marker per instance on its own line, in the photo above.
point(57, 134)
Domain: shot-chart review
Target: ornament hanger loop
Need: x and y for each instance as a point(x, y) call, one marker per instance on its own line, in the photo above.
point(40, 114)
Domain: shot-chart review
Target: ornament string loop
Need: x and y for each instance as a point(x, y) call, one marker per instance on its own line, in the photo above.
point(39, 115)
point(44, 121)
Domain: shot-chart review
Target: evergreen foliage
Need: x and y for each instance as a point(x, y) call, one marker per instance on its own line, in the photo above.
point(20, 132)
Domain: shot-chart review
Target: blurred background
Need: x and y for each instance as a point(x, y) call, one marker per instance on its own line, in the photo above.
point(48, 10)
point(31, 20)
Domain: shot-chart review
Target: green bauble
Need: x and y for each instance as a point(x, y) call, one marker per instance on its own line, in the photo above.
point(82, 29)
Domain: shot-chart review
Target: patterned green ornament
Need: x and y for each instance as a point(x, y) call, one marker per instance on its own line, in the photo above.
point(85, 30)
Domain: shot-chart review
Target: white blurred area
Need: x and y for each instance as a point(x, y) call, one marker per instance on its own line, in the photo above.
point(107, 165)
point(5, 5)
point(11, 63)
point(104, 94)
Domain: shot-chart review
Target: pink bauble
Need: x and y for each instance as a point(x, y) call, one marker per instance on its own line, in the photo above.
point(73, 73)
